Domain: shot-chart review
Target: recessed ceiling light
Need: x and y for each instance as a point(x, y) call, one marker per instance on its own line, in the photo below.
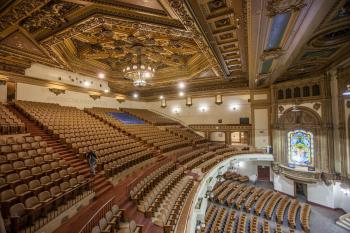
point(101, 75)
point(181, 93)
point(161, 97)
point(135, 95)
point(181, 85)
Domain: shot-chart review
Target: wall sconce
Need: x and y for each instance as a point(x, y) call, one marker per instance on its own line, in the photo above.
point(163, 103)
point(189, 101)
point(95, 97)
point(234, 107)
point(218, 99)
point(120, 99)
point(176, 110)
point(203, 109)
point(57, 91)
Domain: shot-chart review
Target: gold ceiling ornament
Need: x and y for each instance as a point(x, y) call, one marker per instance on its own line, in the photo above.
point(139, 73)
point(275, 7)
point(188, 101)
point(120, 99)
point(271, 54)
point(57, 91)
point(95, 97)
point(218, 99)
point(180, 10)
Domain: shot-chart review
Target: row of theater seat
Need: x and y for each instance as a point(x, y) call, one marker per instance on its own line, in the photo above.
point(27, 205)
point(152, 135)
point(247, 197)
point(115, 150)
point(187, 134)
point(220, 219)
point(9, 123)
point(170, 204)
point(114, 221)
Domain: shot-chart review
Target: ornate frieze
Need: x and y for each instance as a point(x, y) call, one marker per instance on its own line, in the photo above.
point(57, 91)
point(275, 7)
point(180, 10)
point(271, 54)
point(49, 17)
point(20, 10)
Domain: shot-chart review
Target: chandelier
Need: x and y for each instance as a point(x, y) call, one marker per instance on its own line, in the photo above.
point(138, 72)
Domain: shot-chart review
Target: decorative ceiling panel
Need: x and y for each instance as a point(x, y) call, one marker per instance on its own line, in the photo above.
point(330, 43)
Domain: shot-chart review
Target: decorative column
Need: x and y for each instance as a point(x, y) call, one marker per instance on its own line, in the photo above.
point(327, 143)
point(342, 81)
point(228, 137)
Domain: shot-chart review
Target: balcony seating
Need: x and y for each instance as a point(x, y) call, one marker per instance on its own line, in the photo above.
point(9, 123)
point(292, 212)
point(305, 217)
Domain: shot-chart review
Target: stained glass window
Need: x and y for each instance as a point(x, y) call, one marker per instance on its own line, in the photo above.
point(301, 148)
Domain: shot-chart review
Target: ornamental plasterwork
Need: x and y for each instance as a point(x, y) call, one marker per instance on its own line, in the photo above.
point(181, 11)
point(275, 7)
point(271, 54)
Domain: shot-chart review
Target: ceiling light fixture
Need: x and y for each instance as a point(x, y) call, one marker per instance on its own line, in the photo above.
point(161, 97)
point(135, 95)
point(106, 90)
point(139, 72)
point(295, 108)
point(181, 93)
point(86, 83)
point(347, 91)
point(101, 75)
point(181, 85)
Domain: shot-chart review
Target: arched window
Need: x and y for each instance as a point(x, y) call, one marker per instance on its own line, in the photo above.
point(288, 93)
point(315, 90)
point(306, 91)
point(301, 148)
point(296, 92)
point(280, 95)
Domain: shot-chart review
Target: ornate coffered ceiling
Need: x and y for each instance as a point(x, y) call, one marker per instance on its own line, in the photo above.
point(213, 45)
point(92, 36)
point(296, 38)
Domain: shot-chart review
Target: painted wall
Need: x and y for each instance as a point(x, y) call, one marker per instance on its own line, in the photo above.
point(284, 185)
point(321, 194)
point(3, 93)
point(250, 168)
point(217, 136)
point(76, 99)
point(261, 128)
point(212, 112)
point(62, 76)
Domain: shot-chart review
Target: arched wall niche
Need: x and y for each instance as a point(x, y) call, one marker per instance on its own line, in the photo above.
point(304, 119)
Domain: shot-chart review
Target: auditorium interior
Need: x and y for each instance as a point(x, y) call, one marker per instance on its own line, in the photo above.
point(175, 116)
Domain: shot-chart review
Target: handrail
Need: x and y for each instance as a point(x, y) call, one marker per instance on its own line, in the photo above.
point(175, 119)
point(167, 116)
point(100, 213)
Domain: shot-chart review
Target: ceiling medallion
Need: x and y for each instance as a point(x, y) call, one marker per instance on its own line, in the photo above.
point(139, 72)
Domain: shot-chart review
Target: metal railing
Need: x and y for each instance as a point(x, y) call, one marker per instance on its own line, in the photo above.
point(52, 209)
point(100, 213)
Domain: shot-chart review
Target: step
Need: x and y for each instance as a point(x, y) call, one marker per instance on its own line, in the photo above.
point(105, 189)
point(343, 224)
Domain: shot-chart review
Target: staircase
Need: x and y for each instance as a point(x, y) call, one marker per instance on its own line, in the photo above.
point(100, 185)
point(344, 221)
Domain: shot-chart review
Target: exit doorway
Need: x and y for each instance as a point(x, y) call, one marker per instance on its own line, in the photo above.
point(263, 173)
